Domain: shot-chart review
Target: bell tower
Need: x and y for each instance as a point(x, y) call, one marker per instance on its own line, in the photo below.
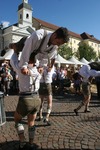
point(25, 1)
point(25, 13)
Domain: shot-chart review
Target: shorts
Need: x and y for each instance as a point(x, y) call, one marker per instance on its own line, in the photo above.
point(29, 104)
point(45, 89)
point(86, 88)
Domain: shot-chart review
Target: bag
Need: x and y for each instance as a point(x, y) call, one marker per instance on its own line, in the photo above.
point(18, 47)
point(20, 44)
point(95, 65)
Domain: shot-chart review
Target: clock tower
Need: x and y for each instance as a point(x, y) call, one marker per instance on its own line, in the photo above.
point(25, 13)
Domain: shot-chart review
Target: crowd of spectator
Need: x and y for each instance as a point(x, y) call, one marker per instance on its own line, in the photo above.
point(62, 79)
point(8, 79)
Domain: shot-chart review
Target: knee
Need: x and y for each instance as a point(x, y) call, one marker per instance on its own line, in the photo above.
point(19, 127)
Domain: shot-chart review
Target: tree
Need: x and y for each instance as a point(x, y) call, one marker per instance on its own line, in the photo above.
point(85, 51)
point(65, 51)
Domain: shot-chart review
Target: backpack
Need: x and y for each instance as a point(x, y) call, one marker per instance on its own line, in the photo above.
point(95, 65)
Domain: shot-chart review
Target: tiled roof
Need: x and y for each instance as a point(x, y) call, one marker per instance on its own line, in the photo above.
point(46, 24)
point(85, 36)
point(73, 34)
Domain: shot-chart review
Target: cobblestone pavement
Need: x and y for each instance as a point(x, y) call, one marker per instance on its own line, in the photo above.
point(67, 132)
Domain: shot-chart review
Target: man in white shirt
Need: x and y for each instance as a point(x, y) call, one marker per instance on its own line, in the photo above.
point(45, 91)
point(86, 72)
point(29, 101)
point(40, 44)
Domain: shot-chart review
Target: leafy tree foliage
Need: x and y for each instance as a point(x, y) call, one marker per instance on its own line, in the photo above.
point(85, 51)
point(65, 51)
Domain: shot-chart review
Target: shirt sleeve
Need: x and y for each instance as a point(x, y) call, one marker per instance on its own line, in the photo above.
point(14, 62)
point(86, 72)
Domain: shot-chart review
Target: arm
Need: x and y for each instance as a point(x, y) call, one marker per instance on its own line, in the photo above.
point(87, 72)
point(32, 43)
point(14, 62)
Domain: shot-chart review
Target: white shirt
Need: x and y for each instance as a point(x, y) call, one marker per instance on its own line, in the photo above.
point(33, 42)
point(86, 72)
point(47, 75)
point(26, 81)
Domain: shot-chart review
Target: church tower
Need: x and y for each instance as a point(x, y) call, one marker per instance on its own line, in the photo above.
point(25, 14)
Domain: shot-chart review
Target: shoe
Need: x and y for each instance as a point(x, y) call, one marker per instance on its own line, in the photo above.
point(40, 119)
point(32, 148)
point(24, 148)
point(87, 111)
point(76, 112)
point(47, 122)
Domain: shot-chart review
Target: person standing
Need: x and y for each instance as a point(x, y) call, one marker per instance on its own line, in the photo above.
point(45, 91)
point(86, 72)
point(29, 101)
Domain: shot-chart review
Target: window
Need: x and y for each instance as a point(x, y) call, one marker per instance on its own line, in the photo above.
point(27, 16)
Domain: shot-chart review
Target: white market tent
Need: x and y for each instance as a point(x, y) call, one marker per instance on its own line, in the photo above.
point(8, 55)
point(83, 60)
point(61, 60)
point(91, 60)
point(75, 61)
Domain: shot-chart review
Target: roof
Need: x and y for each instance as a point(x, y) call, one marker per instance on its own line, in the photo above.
point(85, 36)
point(73, 34)
point(46, 24)
point(25, 5)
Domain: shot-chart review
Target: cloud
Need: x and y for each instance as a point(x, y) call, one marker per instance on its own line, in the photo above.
point(5, 24)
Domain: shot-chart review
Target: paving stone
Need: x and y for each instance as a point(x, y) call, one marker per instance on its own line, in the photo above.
point(67, 132)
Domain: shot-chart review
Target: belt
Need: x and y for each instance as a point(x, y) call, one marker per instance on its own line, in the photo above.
point(28, 93)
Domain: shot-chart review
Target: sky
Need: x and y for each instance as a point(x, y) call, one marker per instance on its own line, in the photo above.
point(77, 15)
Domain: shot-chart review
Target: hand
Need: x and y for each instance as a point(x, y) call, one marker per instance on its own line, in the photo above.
point(49, 69)
point(25, 71)
point(40, 70)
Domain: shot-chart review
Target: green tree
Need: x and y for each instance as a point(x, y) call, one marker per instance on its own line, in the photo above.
point(65, 51)
point(85, 51)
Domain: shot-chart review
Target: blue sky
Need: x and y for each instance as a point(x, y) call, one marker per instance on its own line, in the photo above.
point(77, 15)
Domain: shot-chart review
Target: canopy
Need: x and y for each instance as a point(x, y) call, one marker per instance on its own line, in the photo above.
point(61, 60)
point(83, 60)
point(75, 61)
point(8, 55)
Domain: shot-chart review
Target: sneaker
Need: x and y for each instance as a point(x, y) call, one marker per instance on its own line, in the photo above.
point(47, 122)
point(87, 111)
point(40, 119)
point(76, 112)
